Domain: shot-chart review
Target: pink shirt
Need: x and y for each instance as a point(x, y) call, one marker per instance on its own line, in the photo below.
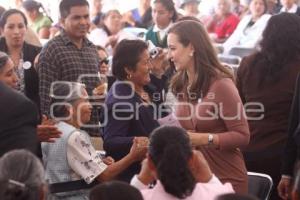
point(207, 191)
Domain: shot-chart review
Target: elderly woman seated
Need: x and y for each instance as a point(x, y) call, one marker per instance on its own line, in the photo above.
point(223, 22)
point(72, 157)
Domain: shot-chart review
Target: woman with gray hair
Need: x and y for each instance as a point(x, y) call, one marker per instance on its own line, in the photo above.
point(72, 157)
point(22, 182)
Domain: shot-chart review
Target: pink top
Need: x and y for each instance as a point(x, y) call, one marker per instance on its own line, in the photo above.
point(207, 191)
point(221, 112)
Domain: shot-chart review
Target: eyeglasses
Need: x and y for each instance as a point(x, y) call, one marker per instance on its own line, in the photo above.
point(104, 61)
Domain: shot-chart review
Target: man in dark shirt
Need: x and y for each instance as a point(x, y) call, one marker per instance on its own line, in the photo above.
point(70, 56)
point(18, 121)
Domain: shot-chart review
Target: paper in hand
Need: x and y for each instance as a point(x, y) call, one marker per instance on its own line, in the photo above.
point(170, 120)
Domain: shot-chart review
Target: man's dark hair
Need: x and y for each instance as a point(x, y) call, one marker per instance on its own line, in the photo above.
point(66, 5)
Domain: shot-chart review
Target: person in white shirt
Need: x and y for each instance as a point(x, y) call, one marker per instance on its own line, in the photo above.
point(290, 6)
point(110, 32)
point(180, 172)
point(72, 156)
point(163, 14)
point(249, 30)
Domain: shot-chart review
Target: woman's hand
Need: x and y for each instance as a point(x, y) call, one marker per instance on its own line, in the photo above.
point(139, 148)
point(108, 160)
point(197, 139)
point(159, 63)
point(47, 131)
point(284, 187)
point(100, 90)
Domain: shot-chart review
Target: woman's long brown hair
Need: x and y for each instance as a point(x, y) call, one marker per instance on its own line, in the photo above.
point(206, 63)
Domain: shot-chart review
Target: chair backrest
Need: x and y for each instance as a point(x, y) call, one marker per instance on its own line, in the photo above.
point(229, 59)
point(70, 186)
point(219, 48)
point(241, 51)
point(259, 185)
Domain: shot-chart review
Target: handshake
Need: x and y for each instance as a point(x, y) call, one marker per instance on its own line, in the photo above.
point(139, 148)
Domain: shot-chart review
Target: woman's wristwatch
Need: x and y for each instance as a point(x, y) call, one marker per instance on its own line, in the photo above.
point(210, 139)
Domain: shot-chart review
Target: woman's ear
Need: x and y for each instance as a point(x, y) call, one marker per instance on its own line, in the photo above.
point(192, 49)
point(128, 70)
point(171, 14)
point(62, 22)
point(70, 111)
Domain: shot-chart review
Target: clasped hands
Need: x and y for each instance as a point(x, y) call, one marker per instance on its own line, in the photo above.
point(139, 148)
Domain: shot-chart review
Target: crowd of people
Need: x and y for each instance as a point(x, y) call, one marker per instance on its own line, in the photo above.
point(175, 121)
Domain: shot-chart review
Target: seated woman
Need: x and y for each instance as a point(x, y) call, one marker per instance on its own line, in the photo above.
point(130, 112)
point(24, 181)
point(223, 22)
point(163, 14)
point(141, 16)
point(190, 8)
point(104, 61)
point(72, 157)
point(249, 30)
point(40, 23)
point(110, 32)
point(289, 6)
point(184, 174)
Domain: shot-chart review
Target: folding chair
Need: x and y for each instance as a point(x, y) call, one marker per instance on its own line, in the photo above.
point(219, 48)
point(241, 51)
point(70, 186)
point(229, 59)
point(259, 185)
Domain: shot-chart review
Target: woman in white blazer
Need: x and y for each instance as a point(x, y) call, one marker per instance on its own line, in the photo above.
point(249, 30)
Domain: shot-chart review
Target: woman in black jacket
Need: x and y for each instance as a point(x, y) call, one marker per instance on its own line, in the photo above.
point(14, 24)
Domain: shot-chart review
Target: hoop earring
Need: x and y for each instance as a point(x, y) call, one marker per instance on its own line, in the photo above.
point(128, 76)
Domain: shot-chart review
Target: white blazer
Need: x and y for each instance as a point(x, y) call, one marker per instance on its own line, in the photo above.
point(247, 37)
